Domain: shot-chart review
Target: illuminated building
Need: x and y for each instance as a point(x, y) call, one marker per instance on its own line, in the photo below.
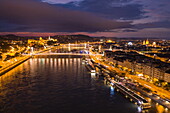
point(146, 42)
point(110, 41)
point(41, 41)
point(130, 43)
point(154, 44)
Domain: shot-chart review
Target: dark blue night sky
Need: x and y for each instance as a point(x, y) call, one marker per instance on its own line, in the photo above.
point(121, 18)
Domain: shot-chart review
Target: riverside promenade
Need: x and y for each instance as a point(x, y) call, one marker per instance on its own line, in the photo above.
point(8, 65)
point(11, 65)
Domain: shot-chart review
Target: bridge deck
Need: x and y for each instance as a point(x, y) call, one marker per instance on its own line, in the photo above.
point(60, 54)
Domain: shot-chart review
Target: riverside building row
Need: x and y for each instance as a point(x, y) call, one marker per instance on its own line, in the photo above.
point(152, 68)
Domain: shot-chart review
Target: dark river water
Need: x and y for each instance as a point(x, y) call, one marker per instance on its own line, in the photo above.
point(59, 84)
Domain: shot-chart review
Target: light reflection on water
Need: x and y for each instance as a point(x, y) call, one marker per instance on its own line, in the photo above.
point(58, 84)
point(112, 91)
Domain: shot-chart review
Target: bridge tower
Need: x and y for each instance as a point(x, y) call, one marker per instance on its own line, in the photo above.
point(85, 46)
point(32, 49)
point(69, 47)
point(110, 48)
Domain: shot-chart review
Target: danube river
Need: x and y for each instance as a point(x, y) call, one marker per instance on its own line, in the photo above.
point(59, 84)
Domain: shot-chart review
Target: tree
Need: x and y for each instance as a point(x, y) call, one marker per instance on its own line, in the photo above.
point(167, 86)
point(17, 54)
point(8, 57)
point(122, 74)
point(0, 57)
point(50, 42)
point(159, 82)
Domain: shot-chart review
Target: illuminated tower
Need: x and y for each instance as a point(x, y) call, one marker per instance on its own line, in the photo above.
point(144, 42)
point(147, 42)
point(40, 38)
point(49, 38)
point(110, 47)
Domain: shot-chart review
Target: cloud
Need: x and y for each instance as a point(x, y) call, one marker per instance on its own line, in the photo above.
point(122, 30)
point(113, 9)
point(93, 17)
point(149, 33)
point(34, 16)
point(143, 33)
point(158, 24)
point(60, 1)
point(156, 10)
point(139, 11)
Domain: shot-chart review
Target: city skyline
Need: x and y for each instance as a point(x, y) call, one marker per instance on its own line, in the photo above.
point(118, 74)
point(85, 56)
point(110, 18)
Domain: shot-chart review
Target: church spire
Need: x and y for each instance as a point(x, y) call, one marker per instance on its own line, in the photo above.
point(147, 42)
